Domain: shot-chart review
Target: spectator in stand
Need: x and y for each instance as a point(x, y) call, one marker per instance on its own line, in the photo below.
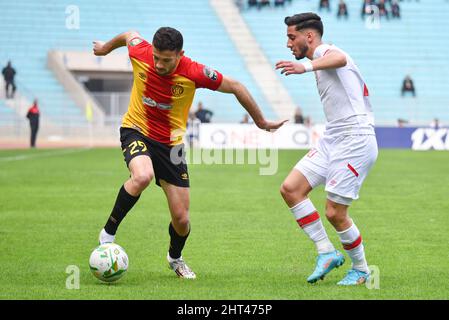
point(402, 123)
point(252, 3)
point(366, 7)
point(395, 9)
point(279, 3)
point(308, 122)
point(299, 118)
point(202, 114)
point(408, 86)
point(8, 74)
point(383, 12)
point(324, 4)
point(435, 124)
point(33, 117)
point(342, 10)
point(193, 130)
point(245, 119)
point(264, 3)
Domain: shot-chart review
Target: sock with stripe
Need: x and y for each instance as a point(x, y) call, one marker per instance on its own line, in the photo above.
point(309, 220)
point(353, 245)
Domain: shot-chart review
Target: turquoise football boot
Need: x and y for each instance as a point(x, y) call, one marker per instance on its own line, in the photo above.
point(325, 262)
point(354, 277)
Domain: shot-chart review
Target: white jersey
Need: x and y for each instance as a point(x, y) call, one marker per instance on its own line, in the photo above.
point(344, 96)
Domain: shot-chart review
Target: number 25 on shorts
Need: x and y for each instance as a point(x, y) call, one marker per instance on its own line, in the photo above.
point(137, 146)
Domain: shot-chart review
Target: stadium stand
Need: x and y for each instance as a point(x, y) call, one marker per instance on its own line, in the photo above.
point(29, 29)
point(414, 44)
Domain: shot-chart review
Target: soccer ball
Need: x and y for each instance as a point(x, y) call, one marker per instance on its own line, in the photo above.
point(108, 262)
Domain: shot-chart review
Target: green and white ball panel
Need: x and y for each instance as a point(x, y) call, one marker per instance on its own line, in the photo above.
point(108, 262)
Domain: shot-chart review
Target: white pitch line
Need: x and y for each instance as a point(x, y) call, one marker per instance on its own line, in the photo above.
point(42, 155)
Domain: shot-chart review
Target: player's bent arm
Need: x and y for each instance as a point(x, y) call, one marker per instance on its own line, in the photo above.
point(103, 48)
point(331, 60)
point(242, 94)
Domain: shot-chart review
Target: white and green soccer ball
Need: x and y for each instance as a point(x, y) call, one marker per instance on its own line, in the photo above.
point(108, 262)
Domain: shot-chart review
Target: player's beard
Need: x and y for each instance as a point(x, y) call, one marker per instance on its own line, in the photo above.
point(303, 50)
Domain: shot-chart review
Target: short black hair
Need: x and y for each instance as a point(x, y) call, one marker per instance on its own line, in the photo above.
point(167, 38)
point(305, 20)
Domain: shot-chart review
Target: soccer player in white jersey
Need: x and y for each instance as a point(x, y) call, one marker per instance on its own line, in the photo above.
point(343, 156)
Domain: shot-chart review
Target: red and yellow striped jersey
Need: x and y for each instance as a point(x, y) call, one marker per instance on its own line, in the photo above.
point(159, 105)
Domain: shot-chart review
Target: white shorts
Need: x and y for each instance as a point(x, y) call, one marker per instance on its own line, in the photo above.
point(341, 163)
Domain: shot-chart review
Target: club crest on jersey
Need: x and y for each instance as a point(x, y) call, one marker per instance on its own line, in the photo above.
point(177, 90)
point(210, 73)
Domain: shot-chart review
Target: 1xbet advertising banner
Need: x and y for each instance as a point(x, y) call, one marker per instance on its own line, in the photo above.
point(248, 136)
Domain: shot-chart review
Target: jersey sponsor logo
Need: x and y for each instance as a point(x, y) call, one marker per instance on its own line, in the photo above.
point(210, 73)
point(177, 90)
point(135, 42)
point(151, 103)
point(427, 139)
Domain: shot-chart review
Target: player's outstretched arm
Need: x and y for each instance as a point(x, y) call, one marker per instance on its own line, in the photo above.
point(332, 60)
point(242, 94)
point(103, 48)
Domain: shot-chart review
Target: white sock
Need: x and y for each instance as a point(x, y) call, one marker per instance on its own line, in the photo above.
point(309, 220)
point(106, 237)
point(352, 243)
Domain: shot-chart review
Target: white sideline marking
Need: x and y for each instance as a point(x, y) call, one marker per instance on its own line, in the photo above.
point(42, 154)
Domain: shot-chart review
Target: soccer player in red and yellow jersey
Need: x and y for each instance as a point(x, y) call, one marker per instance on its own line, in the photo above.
point(152, 129)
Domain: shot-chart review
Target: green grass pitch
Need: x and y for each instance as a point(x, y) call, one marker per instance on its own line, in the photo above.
point(244, 242)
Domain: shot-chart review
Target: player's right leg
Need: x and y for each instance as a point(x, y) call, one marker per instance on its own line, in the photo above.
point(141, 169)
point(295, 189)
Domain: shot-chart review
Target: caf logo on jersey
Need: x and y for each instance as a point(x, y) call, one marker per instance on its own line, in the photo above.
point(177, 90)
point(210, 73)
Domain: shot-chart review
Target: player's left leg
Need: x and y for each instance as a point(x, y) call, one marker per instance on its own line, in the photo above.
point(179, 229)
point(351, 160)
point(350, 237)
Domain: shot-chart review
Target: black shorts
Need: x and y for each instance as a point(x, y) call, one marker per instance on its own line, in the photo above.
point(169, 162)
